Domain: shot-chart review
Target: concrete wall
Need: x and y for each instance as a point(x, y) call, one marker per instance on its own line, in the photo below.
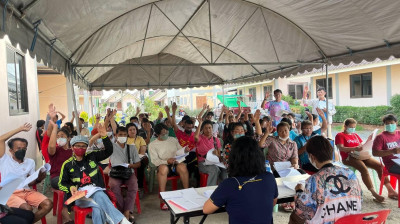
point(53, 89)
point(12, 122)
point(395, 79)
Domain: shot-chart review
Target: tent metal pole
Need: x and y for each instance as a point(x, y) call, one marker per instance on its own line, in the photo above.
point(223, 94)
point(327, 99)
point(91, 108)
point(75, 109)
point(199, 64)
point(3, 27)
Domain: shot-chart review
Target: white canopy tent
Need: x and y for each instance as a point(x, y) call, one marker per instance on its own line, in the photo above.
point(125, 44)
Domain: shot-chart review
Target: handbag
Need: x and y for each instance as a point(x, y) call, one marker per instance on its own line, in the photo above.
point(120, 172)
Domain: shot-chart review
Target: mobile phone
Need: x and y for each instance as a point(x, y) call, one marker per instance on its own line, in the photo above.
point(307, 109)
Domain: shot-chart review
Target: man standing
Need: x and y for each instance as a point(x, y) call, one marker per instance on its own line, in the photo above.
point(16, 163)
point(320, 103)
point(275, 106)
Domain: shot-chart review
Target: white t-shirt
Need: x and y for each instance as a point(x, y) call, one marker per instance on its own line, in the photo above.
point(9, 165)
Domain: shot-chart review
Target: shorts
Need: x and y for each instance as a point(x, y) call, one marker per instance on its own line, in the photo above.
point(28, 196)
point(170, 172)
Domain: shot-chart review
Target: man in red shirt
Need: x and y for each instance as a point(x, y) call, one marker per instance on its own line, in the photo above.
point(387, 144)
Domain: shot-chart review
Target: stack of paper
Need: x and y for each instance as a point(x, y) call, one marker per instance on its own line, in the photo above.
point(45, 168)
point(292, 185)
point(186, 199)
point(288, 172)
point(90, 189)
point(180, 155)
point(8, 185)
point(212, 159)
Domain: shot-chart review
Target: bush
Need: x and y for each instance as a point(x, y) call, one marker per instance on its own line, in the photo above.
point(363, 115)
point(289, 99)
point(395, 102)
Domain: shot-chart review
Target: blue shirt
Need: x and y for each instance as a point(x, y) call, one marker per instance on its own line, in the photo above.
point(58, 122)
point(301, 140)
point(253, 204)
point(292, 134)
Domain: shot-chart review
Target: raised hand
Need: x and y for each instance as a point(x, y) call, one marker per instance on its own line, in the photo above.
point(267, 94)
point(101, 129)
point(174, 107)
point(320, 112)
point(147, 127)
point(114, 112)
point(208, 107)
point(26, 127)
point(98, 117)
point(160, 115)
point(238, 103)
point(204, 106)
point(52, 111)
point(257, 115)
point(166, 108)
point(269, 127)
point(225, 109)
point(137, 110)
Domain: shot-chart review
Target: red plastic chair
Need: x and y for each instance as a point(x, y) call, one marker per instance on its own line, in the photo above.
point(203, 179)
point(393, 177)
point(58, 199)
point(378, 217)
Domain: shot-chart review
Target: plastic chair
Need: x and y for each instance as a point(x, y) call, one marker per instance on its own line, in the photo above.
point(378, 217)
point(58, 199)
point(203, 179)
point(385, 174)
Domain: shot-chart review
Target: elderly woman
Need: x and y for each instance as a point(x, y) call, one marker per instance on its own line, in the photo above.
point(329, 194)
point(250, 193)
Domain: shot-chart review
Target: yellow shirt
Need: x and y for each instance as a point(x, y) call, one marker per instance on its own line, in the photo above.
point(138, 141)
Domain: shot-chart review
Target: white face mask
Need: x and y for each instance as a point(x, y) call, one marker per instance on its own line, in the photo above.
point(83, 126)
point(283, 139)
point(61, 142)
point(312, 163)
point(122, 140)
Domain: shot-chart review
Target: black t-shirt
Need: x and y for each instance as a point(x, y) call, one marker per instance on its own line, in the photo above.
point(253, 204)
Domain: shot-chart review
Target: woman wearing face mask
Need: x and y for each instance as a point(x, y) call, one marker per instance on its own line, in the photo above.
point(59, 151)
point(348, 142)
point(204, 143)
point(292, 133)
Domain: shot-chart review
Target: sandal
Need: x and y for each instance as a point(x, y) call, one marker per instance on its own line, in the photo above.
point(287, 208)
point(163, 206)
point(394, 197)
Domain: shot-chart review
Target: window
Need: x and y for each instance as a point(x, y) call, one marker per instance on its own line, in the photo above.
point(361, 85)
point(16, 77)
point(322, 83)
point(296, 91)
point(128, 104)
point(268, 89)
point(253, 95)
point(112, 105)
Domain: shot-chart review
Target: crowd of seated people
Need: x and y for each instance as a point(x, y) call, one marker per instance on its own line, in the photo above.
point(242, 142)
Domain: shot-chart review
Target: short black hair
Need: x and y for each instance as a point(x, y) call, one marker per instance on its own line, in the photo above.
point(205, 123)
point(287, 120)
point(283, 124)
point(70, 125)
point(321, 88)
point(189, 122)
point(159, 127)
point(314, 116)
point(133, 118)
point(320, 148)
point(185, 118)
point(292, 115)
point(245, 158)
point(278, 91)
point(389, 117)
point(83, 121)
point(10, 143)
point(65, 130)
point(267, 118)
point(145, 120)
point(121, 129)
point(210, 113)
point(40, 123)
point(306, 123)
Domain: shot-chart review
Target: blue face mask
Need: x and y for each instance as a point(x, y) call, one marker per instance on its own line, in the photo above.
point(351, 130)
point(238, 136)
point(390, 127)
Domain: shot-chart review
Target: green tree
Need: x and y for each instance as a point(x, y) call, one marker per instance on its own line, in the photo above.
point(153, 108)
point(84, 115)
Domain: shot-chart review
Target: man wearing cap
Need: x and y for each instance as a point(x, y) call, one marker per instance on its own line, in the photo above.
point(81, 172)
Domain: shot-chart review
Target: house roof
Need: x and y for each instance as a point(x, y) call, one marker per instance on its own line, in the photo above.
point(125, 44)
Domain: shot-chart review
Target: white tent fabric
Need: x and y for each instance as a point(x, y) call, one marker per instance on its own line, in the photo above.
point(246, 33)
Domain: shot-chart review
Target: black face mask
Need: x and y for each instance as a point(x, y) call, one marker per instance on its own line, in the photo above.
point(188, 132)
point(20, 154)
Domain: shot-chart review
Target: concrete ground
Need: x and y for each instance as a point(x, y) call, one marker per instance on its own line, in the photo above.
point(151, 212)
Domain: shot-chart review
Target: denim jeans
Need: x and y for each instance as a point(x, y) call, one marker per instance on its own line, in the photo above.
point(103, 209)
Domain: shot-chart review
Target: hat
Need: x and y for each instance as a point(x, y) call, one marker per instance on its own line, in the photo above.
point(79, 138)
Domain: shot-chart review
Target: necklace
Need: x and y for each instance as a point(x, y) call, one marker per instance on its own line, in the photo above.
point(253, 179)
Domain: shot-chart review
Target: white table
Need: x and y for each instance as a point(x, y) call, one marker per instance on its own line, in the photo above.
point(284, 195)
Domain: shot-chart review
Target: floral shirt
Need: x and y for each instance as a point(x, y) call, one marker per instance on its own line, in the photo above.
point(329, 194)
point(278, 152)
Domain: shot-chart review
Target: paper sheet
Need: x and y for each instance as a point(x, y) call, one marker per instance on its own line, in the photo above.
point(9, 178)
point(292, 185)
point(397, 161)
point(90, 189)
point(288, 172)
point(397, 155)
point(170, 194)
point(8, 188)
point(281, 112)
point(187, 198)
point(123, 164)
point(45, 168)
point(282, 165)
point(367, 145)
point(185, 204)
point(212, 159)
point(208, 193)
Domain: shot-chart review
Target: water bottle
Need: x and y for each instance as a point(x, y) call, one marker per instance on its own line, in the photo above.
point(267, 166)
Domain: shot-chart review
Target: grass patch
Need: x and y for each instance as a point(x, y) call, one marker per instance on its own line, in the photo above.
point(339, 128)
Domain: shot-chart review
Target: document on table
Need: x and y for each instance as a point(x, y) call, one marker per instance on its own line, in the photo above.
point(8, 186)
point(90, 189)
point(212, 159)
point(288, 172)
point(122, 164)
point(208, 193)
point(397, 161)
point(45, 168)
point(185, 199)
point(292, 185)
point(282, 165)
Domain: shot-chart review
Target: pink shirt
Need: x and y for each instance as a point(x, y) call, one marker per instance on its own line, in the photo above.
point(387, 141)
point(204, 145)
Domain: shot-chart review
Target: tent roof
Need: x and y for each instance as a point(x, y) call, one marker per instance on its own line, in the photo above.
point(119, 44)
